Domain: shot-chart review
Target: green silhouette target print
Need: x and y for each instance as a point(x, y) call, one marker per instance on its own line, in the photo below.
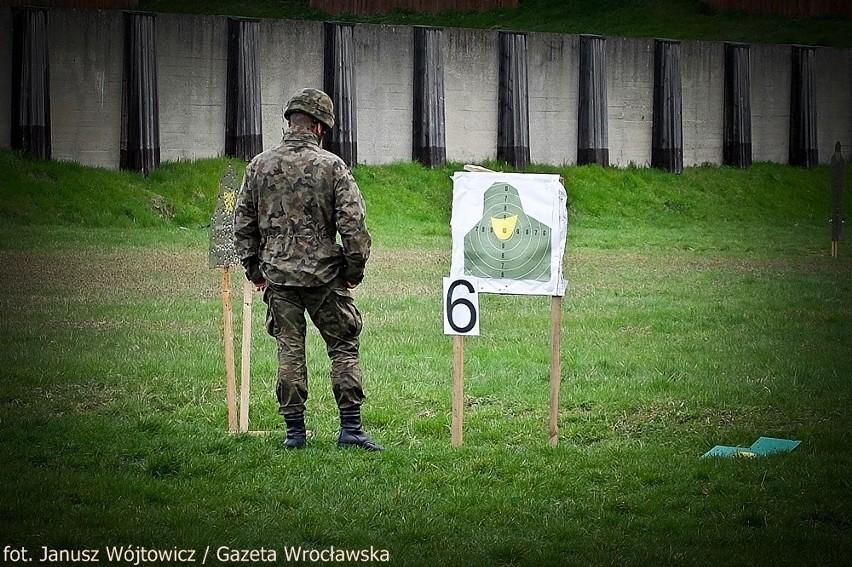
point(507, 242)
point(509, 232)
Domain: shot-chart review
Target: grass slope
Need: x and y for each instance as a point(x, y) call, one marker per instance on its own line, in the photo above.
point(767, 206)
point(679, 19)
point(702, 309)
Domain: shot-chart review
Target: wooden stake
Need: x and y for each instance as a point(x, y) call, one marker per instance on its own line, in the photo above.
point(555, 366)
point(245, 357)
point(230, 382)
point(458, 391)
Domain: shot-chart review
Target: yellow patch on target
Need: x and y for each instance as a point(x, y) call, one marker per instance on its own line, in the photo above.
point(504, 228)
point(230, 201)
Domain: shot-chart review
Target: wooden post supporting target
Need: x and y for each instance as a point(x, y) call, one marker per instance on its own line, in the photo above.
point(457, 425)
point(555, 366)
point(457, 416)
point(238, 400)
point(245, 358)
point(230, 379)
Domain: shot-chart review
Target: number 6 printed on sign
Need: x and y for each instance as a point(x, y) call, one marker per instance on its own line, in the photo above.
point(461, 307)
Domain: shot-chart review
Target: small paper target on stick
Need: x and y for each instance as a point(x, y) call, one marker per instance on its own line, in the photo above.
point(222, 255)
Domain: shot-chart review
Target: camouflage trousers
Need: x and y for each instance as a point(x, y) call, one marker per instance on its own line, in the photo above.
point(334, 314)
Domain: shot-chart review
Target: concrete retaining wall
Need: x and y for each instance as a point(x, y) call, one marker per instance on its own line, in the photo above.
point(834, 102)
point(191, 69)
point(291, 57)
point(553, 97)
point(5, 71)
point(770, 102)
point(384, 99)
point(702, 71)
point(630, 92)
point(85, 49)
point(86, 72)
point(471, 77)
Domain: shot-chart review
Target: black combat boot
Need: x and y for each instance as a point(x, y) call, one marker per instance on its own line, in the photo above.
point(296, 433)
point(351, 432)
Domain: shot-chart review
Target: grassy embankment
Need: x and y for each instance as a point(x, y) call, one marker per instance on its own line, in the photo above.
point(677, 19)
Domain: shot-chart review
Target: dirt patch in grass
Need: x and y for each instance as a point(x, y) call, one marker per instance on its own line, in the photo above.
point(598, 271)
point(107, 275)
point(395, 273)
point(99, 275)
point(675, 417)
point(63, 399)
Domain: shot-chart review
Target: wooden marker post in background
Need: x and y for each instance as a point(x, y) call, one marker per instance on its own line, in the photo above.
point(838, 182)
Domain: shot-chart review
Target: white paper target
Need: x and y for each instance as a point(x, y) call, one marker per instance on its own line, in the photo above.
point(509, 232)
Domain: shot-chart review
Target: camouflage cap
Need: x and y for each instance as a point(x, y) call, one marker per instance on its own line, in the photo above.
point(312, 102)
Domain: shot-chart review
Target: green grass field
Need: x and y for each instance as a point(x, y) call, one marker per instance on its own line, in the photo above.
point(702, 309)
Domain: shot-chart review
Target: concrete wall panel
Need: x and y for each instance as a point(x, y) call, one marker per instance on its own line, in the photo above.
point(702, 69)
point(5, 77)
point(630, 89)
point(85, 85)
point(553, 61)
point(770, 102)
point(471, 77)
point(384, 63)
point(86, 50)
point(834, 102)
point(291, 58)
point(191, 69)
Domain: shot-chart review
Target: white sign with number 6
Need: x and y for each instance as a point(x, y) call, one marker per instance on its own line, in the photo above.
point(461, 306)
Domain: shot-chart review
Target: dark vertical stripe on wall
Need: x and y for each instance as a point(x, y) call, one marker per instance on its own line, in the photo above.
point(429, 136)
point(736, 144)
point(803, 111)
point(667, 130)
point(30, 83)
point(592, 120)
point(140, 120)
point(513, 117)
point(339, 84)
point(243, 133)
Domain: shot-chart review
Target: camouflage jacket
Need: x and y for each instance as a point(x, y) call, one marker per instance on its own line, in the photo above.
point(294, 201)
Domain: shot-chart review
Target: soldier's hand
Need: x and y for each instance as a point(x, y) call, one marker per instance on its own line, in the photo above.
point(259, 285)
point(350, 285)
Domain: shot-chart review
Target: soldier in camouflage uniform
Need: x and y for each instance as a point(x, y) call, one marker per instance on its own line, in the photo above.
point(294, 201)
